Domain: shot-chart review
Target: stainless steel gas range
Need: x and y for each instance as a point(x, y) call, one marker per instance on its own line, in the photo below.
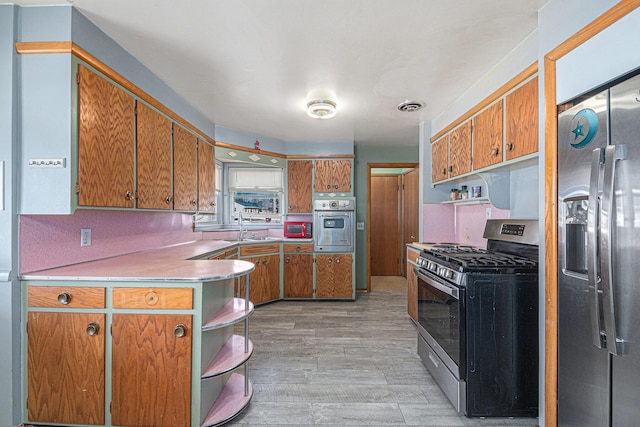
point(478, 320)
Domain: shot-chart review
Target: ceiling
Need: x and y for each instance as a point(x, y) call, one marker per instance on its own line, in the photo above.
point(253, 64)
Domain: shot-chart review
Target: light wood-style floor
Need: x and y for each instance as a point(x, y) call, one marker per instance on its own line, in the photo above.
point(343, 363)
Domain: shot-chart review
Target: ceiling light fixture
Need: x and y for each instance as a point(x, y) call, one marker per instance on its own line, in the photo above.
point(410, 106)
point(321, 109)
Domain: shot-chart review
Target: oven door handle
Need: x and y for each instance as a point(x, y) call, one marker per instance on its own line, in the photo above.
point(447, 289)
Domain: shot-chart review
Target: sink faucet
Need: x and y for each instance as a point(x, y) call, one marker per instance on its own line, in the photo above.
point(242, 232)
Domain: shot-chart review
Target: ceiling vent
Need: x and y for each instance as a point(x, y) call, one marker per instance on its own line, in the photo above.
point(410, 106)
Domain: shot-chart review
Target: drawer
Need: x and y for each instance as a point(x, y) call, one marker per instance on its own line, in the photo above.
point(259, 249)
point(233, 253)
point(412, 255)
point(65, 296)
point(155, 298)
point(217, 256)
point(298, 247)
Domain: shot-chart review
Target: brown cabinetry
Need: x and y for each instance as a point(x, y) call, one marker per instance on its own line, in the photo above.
point(264, 282)
point(185, 191)
point(332, 176)
point(206, 177)
point(299, 178)
point(440, 159)
point(105, 143)
point(334, 276)
point(487, 136)
point(151, 370)
point(153, 159)
point(412, 284)
point(298, 271)
point(460, 150)
point(522, 120)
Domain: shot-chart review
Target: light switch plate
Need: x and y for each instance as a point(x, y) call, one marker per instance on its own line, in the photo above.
point(360, 226)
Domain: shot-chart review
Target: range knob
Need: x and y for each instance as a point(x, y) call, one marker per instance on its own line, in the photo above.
point(448, 274)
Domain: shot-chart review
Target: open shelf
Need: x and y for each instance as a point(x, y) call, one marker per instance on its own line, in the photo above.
point(234, 311)
point(472, 201)
point(231, 401)
point(230, 356)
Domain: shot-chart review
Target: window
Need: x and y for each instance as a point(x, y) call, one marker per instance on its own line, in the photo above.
point(256, 193)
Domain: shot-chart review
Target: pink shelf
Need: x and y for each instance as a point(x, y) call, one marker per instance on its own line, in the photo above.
point(230, 402)
point(230, 356)
point(233, 312)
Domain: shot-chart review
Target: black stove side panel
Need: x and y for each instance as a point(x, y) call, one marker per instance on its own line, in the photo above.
point(502, 345)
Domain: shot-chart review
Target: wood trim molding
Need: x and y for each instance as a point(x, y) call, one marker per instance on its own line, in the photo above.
point(26, 48)
point(614, 14)
point(319, 156)
point(501, 91)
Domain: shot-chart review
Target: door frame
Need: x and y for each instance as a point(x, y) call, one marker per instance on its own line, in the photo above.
point(369, 167)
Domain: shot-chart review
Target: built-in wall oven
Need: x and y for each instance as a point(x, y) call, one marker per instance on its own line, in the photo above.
point(478, 320)
point(333, 224)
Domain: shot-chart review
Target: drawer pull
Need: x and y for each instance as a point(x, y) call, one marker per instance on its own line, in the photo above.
point(180, 331)
point(444, 171)
point(495, 152)
point(93, 329)
point(328, 186)
point(64, 298)
point(265, 262)
point(298, 248)
point(193, 202)
point(287, 260)
point(510, 146)
point(337, 260)
point(128, 195)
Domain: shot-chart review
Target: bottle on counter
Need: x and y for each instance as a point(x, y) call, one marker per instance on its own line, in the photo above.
point(453, 195)
point(464, 193)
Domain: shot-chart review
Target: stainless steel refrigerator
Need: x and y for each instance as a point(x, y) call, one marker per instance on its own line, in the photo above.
point(599, 259)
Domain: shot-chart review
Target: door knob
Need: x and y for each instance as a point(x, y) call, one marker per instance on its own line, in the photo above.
point(64, 298)
point(92, 329)
point(180, 330)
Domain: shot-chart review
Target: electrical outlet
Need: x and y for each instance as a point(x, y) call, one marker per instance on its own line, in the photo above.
point(360, 226)
point(85, 237)
point(488, 213)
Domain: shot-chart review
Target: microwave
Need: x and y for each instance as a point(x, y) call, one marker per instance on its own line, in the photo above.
point(297, 229)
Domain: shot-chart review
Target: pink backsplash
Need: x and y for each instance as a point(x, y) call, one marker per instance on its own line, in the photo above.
point(48, 241)
point(459, 223)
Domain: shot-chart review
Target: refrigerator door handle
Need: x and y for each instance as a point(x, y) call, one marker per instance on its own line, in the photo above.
point(593, 219)
point(613, 153)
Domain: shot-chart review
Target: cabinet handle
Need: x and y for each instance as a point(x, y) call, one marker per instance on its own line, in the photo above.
point(329, 260)
point(495, 152)
point(335, 186)
point(510, 146)
point(298, 248)
point(287, 260)
point(168, 199)
point(450, 168)
point(290, 207)
point(337, 260)
point(265, 262)
point(194, 202)
point(444, 171)
point(213, 203)
point(92, 329)
point(180, 330)
point(64, 298)
point(328, 186)
point(128, 195)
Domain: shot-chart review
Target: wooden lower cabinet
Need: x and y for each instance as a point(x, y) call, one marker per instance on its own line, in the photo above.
point(334, 276)
point(298, 276)
point(151, 370)
point(66, 367)
point(264, 282)
point(412, 284)
point(118, 355)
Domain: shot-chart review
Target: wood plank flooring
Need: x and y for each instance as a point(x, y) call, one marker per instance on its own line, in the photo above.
point(343, 363)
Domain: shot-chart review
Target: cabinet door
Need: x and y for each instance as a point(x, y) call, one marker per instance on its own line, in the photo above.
point(332, 176)
point(487, 137)
point(440, 159)
point(298, 276)
point(184, 169)
point(333, 276)
point(522, 120)
point(299, 185)
point(460, 150)
point(271, 264)
point(151, 378)
point(65, 367)
point(153, 154)
point(256, 282)
point(206, 177)
point(105, 143)
point(412, 292)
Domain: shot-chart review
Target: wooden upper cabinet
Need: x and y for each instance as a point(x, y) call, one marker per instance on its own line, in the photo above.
point(206, 177)
point(332, 176)
point(460, 150)
point(487, 136)
point(105, 143)
point(299, 178)
point(440, 159)
point(184, 169)
point(522, 120)
point(153, 155)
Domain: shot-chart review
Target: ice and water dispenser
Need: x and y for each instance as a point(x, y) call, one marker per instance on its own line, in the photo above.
point(575, 229)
